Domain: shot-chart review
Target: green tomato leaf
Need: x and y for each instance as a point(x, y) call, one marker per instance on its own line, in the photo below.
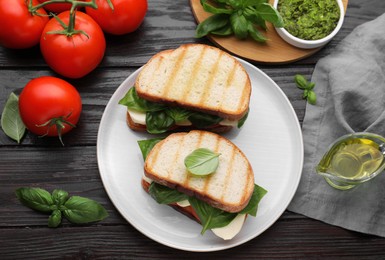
point(35, 198)
point(165, 195)
point(158, 122)
point(256, 197)
point(80, 210)
point(239, 24)
point(209, 216)
point(54, 219)
point(11, 122)
point(202, 162)
point(212, 23)
point(147, 145)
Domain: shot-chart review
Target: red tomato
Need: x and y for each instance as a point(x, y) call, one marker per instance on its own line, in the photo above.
point(19, 28)
point(125, 18)
point(45, 102)
point(76, 55)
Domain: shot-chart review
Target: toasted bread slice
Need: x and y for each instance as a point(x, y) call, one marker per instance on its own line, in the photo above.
point(229, 188)
point(197, 77)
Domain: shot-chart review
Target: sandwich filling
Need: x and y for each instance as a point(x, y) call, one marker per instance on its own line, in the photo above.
point(159, 118)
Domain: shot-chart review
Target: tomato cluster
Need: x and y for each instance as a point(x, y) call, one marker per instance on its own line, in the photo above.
point(72, 42)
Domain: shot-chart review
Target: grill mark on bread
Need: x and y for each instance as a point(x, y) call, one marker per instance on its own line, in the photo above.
point(175, 69)
point(188, 175)
point(208, 178)
point(158, 64)
point(229, 80)
point(193, 75)
point(228, 173)
point(209, 84)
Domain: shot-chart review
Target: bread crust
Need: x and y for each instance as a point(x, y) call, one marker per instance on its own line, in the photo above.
point(223, 112)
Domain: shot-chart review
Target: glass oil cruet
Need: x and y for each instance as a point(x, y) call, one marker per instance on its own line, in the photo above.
point(353, 159)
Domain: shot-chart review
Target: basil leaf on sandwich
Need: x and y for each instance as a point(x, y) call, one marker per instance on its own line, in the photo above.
point(146, 145)
point(209, 216)
point(160, 118)
point(165, 195)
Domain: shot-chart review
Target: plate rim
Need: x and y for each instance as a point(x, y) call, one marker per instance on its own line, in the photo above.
point(225, 245)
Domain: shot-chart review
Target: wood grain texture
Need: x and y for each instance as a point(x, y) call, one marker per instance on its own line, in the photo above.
point(274, 51)
point(43, 162)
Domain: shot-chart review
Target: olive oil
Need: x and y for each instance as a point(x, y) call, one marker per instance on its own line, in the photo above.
point(352, 159)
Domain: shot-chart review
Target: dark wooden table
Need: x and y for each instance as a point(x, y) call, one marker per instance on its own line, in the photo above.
point(43, 162)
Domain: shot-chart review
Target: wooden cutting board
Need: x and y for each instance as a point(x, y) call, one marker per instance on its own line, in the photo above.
point(275, 50)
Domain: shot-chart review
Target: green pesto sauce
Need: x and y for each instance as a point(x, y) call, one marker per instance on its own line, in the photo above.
point(309, 19)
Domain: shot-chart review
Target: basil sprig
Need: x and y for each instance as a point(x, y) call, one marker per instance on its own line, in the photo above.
point(76, 209)
point(307, 88)
point(202, 162)
point(147, 145)
point(160, 118)
point(242, 18)
point(11, 121)
point(209, 216)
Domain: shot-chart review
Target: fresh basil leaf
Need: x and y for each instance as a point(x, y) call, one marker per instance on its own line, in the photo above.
point(253, 2)
point(310, 85)
point(214, 10)
point(239, 25)
point(178, 114)
point(202, 161)
point(80, 210)
point(270, 14)
point(300, 81)
point(252, 16)
point(202, 120)
point(35, 198)
point(132, 101)
point(224, 31)
point(255, 34)
point(59, 197)
point(311, 97)
point(242, 121)
point(158, 122)
point(165, 195)
point(209, 216)
point(11, 122)
point(54, 219)
point(256, 197)
point(147, 145)
point(212, 23)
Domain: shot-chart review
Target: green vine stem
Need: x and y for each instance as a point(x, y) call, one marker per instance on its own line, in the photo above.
point(69, 29)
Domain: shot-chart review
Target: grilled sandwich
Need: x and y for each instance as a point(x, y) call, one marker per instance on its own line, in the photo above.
point(229, 193)
point(195, 86)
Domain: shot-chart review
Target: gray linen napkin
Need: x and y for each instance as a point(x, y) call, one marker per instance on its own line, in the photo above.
point(350, 88)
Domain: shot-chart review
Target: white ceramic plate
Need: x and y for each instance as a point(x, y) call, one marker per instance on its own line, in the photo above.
point(271, 138)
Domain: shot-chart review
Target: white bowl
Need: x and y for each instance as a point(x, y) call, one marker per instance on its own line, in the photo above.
point(310, 44)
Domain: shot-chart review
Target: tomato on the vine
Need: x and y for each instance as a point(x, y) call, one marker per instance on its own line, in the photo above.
point(125, 17)
point(21, 25)
point(49, 106)
point(75, 53)
point(56, 7)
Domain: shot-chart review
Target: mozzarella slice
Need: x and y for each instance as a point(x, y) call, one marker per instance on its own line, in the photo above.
point(229, 231)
